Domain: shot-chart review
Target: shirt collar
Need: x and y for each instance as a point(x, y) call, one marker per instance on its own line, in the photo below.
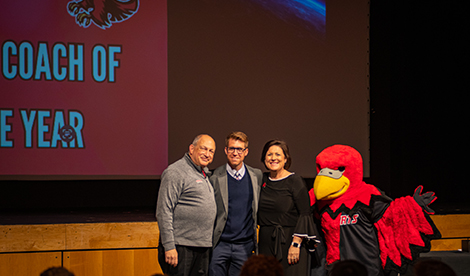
point(204, 171)
point(232, 172)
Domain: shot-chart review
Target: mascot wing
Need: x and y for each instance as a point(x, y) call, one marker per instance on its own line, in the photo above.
point(404, 231)
point(120, 10)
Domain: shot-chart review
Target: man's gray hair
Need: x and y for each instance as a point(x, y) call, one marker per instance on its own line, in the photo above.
point(197, 138)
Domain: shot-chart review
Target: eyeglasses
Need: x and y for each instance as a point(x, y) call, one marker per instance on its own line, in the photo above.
point(236, 150)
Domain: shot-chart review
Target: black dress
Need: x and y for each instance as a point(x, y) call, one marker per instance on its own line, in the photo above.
point(284, 210)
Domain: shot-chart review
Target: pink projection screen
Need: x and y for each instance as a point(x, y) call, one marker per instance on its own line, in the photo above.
point(120, 92)
point(83, 89)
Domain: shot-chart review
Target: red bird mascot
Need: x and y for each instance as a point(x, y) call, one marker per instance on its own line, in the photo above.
point(360, 222)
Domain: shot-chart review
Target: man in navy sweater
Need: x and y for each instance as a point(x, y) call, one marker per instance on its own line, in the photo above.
point(236, 188)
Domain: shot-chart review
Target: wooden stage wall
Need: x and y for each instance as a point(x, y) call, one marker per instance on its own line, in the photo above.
point(128, 248)
point(83, 248)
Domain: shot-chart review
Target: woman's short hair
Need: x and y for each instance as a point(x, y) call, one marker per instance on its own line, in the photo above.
point(283, 146)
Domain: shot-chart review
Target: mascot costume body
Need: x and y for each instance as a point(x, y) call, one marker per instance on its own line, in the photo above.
point(360, 222)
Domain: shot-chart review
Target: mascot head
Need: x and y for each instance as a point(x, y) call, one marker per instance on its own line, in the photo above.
point(339, 171)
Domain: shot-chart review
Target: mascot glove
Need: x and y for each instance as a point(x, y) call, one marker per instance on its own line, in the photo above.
point(425, 199)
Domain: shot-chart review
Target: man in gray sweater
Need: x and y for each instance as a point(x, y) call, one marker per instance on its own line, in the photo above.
point(186, 211)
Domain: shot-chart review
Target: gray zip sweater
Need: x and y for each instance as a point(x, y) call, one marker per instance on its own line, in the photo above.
point(186, 207)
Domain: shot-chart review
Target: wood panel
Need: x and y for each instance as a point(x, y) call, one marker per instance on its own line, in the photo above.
point(453, 229)
point(27, 264)
point(453, 226)
point(446, 245)
point(146, 259)
point(86, 236)
point(60, 237)
point(42, 237)
point(132, 262)
point(112, 235)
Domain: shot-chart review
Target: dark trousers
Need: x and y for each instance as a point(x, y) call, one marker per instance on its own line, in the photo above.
point(192, 261)
point(228, 258)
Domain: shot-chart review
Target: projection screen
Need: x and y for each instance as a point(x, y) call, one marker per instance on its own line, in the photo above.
point(123, 95)
point(83, 89)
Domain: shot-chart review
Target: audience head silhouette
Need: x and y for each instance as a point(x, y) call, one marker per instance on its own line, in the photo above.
point(432, 267)
point(261, 265)
point(348, 268)
point(56, 271)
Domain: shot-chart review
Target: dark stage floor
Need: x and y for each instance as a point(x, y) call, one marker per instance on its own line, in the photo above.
point(458, 260)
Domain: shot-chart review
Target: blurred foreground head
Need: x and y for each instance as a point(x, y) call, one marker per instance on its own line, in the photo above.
point(261, 265)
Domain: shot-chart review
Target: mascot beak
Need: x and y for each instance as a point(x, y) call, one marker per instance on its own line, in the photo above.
point(330, 184)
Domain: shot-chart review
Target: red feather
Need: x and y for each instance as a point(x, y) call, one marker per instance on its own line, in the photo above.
point(400, 227)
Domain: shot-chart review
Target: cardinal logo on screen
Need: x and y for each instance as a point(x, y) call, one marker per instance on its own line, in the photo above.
point(102, 13)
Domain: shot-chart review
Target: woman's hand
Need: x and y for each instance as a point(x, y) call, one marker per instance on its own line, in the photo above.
point(293, 255)
point(294, 252)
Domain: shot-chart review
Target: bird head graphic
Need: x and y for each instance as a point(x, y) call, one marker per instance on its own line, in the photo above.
point(102, 13)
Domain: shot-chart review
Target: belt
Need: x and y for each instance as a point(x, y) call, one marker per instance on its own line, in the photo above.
point(279, 238)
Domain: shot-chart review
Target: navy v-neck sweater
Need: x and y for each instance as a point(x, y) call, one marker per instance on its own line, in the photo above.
point(239, 225)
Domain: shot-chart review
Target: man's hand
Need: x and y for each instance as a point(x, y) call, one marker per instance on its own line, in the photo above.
point(171, 257)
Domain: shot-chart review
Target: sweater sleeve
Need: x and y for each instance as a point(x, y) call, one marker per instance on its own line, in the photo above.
point(170, 189)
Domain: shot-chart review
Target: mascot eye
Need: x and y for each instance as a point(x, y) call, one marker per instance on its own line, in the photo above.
point(341, 169)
